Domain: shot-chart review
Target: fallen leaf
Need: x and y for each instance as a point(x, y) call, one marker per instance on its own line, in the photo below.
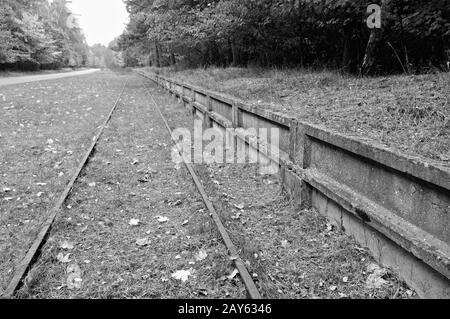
point(177, 203)
point(345, 279)
point(333, 288)
point(372, 268)
point(375, 279)
point(74, 280)
point(237, 216)
point(63, 258)
point(92, 184)
point(134, 222)
point(284, 243)
point(162, 219)
point(202, 255)
point(185, 223)
point(182, 275)
point(329, 227)
point(233, 274)
point(66, 245)
point(143, 242)
point(240, 206)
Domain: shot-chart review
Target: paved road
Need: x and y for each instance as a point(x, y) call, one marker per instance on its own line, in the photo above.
point(42, 77)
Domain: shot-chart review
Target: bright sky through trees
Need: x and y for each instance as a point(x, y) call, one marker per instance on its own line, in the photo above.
point(101, 20)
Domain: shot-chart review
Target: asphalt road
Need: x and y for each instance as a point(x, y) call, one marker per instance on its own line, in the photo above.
point(42, 77)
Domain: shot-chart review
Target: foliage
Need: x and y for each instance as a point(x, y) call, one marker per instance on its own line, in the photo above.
point(35, 34)
point(104, 57)
point(284, 33)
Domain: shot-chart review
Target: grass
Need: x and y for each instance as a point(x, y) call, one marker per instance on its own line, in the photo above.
point(97, 222)
point(45, 130)
point(315, 260)
point(409, 113)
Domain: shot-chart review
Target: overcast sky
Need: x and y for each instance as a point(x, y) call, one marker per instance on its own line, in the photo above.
point(101, 20)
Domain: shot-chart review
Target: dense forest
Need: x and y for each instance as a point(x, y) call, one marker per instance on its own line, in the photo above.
point(414, 34)
point(36, 35)
point(39, 34)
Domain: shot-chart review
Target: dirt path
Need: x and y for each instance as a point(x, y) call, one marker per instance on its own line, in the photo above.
point(134, 220)
point(42, 77)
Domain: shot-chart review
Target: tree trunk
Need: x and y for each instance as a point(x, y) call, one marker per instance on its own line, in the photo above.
point(374, 43)
point(234, 54)
point(157, 55)
point(346, 54)
point(402, 40)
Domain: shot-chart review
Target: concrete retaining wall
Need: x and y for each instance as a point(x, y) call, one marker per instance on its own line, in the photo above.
point(397, 206)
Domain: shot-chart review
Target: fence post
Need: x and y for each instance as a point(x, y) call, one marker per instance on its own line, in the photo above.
point(300, 156)
point(235, 115)
point(207, 123)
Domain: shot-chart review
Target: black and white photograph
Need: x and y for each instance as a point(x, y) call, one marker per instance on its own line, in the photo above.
point(228, 157)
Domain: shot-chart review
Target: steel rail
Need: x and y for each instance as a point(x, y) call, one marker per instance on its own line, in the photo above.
point(245, 275)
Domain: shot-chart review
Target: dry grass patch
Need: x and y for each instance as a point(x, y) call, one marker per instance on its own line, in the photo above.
point(409, 113)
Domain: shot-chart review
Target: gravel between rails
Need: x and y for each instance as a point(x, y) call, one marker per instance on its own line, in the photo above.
point(45, 130)
point(132, 176)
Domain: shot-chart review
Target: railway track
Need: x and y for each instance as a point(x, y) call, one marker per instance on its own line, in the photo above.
point(245, 275)
point(34, 252)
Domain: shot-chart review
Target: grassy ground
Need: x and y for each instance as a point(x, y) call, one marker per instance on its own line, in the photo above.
point(409, 113)
point(45, 130)
point(95, 250)
point(134, 178)
point(291, 253)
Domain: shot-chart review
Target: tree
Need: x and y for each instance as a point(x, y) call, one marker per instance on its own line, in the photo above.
point(330, 33)
point(34, 34)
